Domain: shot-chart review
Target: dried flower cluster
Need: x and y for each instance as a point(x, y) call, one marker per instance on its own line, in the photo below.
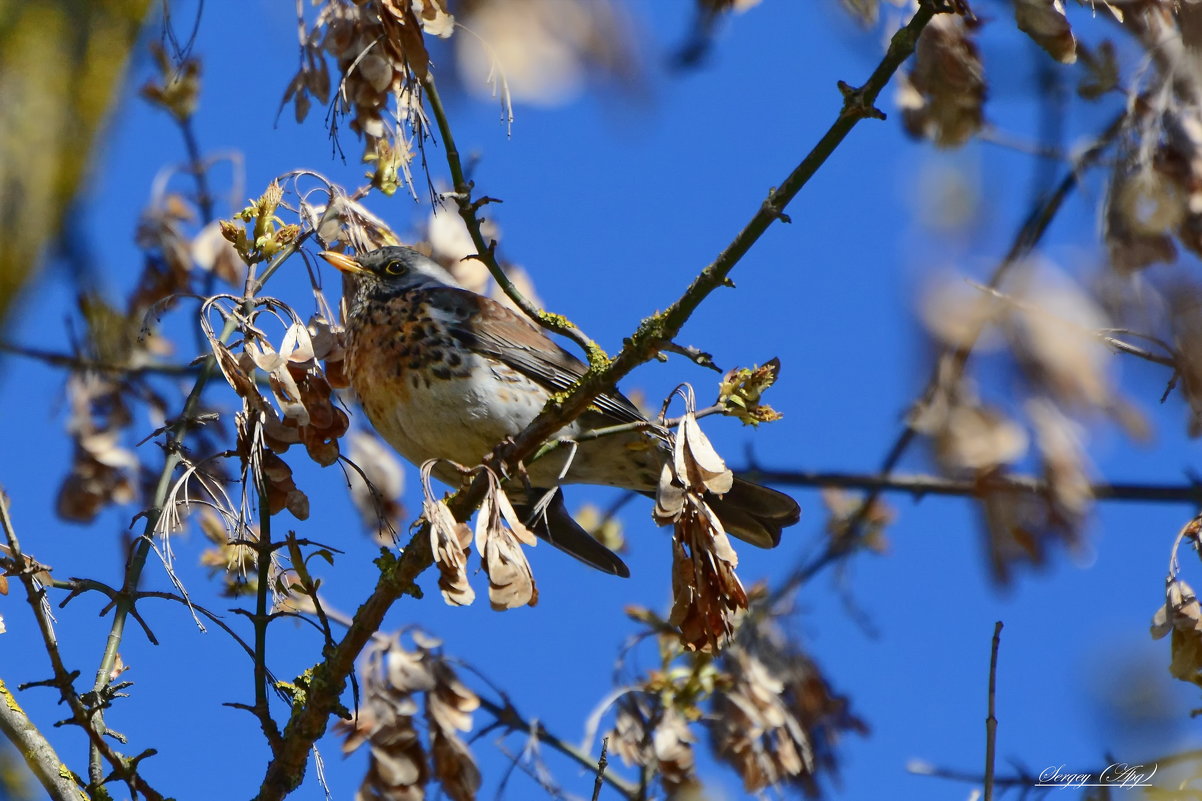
point(381, 57)
point(1055, 333)
point(401, 766)
point(102, 470)
point(118, 343)
point(775, 718)
point(1155, 197)
point(499, 536)
point(303, 411)
point(656, 737)
point(1181, 614)
point(708, 596)
point(769, 712)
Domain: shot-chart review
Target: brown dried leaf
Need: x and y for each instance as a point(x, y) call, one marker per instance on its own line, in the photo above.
point(774, 716)
point(942, 96)
point(212, 252)
point(450, 541)
point(672, 745)
point(449, 707)
point(1141, 208)
point(870, 525)
point(960, 315)
point(695, 462)
point(708, 597)
point(1044, 21)
point(669, 497)
point(397, 769)
point(1182, 616)
point(754, 728)
point(510, 580)
point(976, 438)
point(1062, 452)
point(1022, 524)
point(404, 37)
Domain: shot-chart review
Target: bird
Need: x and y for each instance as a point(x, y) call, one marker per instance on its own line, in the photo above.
point(445, 373)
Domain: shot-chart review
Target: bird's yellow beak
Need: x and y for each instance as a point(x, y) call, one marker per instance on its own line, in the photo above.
point(342, 261)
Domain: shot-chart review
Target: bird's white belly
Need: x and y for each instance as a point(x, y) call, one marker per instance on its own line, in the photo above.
point(461, 419)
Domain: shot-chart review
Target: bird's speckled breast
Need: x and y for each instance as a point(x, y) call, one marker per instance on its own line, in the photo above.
point(427, 395)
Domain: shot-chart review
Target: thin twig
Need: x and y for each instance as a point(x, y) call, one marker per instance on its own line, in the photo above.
point(485, 250)
point(81, 363)
point(263, 555)
point(508, 716)
point(602, 763)
point(920, 485)
point(991, 719)
point(122, 768)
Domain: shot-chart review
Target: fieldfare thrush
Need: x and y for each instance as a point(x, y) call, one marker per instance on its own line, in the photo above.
point(445, 373)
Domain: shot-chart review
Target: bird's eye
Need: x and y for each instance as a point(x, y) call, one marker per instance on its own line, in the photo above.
point(394, 267)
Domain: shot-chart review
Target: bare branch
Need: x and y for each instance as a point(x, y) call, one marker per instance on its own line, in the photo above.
point(991, 719)
point(919, 485)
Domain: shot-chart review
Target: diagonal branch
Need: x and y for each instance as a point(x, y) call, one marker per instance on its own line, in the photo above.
point(328, 680)
point(486, 250)
point(38, 752)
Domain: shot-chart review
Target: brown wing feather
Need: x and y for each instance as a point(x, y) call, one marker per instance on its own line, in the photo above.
point(496, 331)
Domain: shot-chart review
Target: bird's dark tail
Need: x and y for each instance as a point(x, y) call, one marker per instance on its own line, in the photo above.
point(555, 525)
point(754, 513)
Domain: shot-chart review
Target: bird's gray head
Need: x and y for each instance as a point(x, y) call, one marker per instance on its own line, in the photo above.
point(389, 270)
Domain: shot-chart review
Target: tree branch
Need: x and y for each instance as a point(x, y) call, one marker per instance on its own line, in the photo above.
point(39, 755)
point(486, 250)
point(919, 485)
point(329, 678)
point(82, 363)
point(63, 679)
point(991, 718)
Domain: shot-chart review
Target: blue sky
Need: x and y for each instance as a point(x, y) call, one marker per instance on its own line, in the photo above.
point(613, 202)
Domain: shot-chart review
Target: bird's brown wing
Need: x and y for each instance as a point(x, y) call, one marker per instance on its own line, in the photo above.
point(489, 328)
